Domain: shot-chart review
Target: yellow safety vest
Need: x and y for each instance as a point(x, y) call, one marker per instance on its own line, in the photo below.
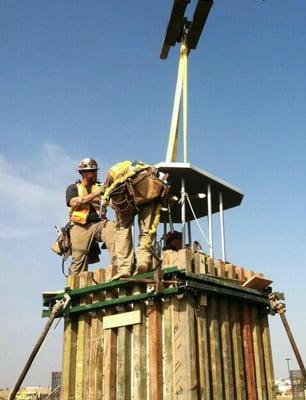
point(80, 214)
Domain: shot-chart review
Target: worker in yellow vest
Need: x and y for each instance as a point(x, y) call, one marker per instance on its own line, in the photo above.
point(87, 227)
point(134, 188)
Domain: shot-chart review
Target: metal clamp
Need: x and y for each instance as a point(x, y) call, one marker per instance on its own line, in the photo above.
point(276, 302)
point(60, 305)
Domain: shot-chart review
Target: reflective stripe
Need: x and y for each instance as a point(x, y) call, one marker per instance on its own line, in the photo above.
point(80, 214)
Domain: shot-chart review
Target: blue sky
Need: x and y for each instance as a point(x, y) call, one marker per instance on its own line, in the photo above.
point(85, 78)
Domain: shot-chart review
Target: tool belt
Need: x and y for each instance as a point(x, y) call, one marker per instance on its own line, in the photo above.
point(62, 245)
point(140, 189)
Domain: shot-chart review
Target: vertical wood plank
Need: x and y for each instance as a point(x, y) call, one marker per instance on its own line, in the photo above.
point(123, 356)
point(265, 332)
point(240, 273)
point(185, 260)
point(226, 345)
point(230, 271)
point(220, 268)
point(203, 365)
point(202, 263)
point(155, 359)
point(179, 377)
point(69, 349)
point(167, 351)
point(139, 352)
point(190, 347)
point(248, 353)
point(83, 343)
point(261, 387)
point(214, 345)
point(185, 378)
point(96, 346)
point(110, 348)
point(237, 351)
point(210, 266)
point(226, 350)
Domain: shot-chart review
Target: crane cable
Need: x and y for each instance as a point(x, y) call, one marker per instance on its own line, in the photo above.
point(197, 222)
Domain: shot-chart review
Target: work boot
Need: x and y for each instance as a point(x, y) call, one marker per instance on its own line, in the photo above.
point(141, 269)
point(121, 275)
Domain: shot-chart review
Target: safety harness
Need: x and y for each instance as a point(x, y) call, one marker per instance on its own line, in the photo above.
point(124, 185)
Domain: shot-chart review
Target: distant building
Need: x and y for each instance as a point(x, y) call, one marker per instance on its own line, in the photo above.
point(298, 385)
point(283, 386)
point(56, 378)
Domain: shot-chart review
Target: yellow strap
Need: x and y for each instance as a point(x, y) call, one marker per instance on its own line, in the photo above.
point(181, 86)
point(148, 239)
point(118, 181)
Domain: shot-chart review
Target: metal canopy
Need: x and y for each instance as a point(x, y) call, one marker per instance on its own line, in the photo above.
point(196, 181)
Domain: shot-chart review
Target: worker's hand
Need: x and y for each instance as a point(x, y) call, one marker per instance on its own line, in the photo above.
point(100, 190)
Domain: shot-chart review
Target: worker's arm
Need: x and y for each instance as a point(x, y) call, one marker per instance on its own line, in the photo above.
point(81, 200)
point(74, 200)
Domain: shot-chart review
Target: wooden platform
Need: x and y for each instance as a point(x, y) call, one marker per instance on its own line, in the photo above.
point(208, 340)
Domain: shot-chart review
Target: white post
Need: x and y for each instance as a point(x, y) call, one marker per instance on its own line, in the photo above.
point(165, 232)
point(209, 215)
point(183, 211)
point(221, 210)
point(133, 234)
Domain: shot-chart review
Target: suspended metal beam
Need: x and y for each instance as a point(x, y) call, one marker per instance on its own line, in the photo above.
point(174, 26)
point(197, 24)
point(179, 29)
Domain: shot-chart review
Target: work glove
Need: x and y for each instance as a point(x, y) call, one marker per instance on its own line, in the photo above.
point(101, 190)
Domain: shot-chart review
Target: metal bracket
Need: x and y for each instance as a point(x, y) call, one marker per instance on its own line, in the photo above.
point(276, 303)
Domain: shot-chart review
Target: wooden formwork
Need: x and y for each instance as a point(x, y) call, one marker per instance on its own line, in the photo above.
point(194, 345)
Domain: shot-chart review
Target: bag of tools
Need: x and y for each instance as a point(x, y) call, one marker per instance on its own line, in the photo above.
point(146, 187)
point(62, 245)
point(131, 184)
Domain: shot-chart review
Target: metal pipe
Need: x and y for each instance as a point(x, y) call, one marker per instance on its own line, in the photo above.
point(209, 216)
point(189, 232)
point(170, 217)
point(133, 234)
point(183, 211)
point(221, 210)
point(165, 233)
point(293, 344)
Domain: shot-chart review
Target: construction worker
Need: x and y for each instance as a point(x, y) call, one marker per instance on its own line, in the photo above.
point(173, 241)
point(87, 228)
point(134, 188)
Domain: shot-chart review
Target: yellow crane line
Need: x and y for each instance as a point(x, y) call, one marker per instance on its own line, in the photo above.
point(181, 88)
